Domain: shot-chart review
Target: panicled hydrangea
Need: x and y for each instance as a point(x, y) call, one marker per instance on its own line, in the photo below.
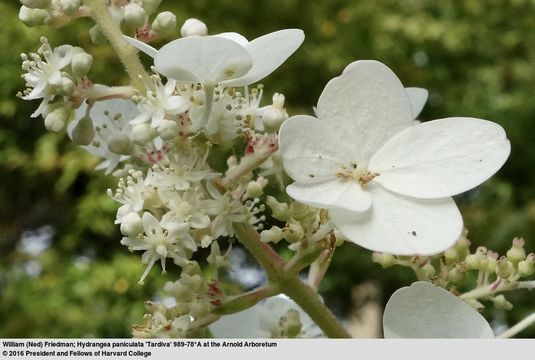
point(388, 184)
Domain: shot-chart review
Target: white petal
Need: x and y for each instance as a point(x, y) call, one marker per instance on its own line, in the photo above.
point(150, 223)
point(310, 149)
point(244, 324)
point(268, 53)
point(418, 98)
point(332, 194)
point(424, 310)
point(203, 59)
point(234, 36)
point(366, 105)
point(442, 157)
point(140, 45)
point(400, 225)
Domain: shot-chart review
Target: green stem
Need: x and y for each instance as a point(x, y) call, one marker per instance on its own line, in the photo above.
point(496, 287)
point(515, 329)
point(290, 284)
point(246, 300)
point(126, 53)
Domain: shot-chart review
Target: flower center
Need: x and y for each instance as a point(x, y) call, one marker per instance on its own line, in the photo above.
point(357, 172)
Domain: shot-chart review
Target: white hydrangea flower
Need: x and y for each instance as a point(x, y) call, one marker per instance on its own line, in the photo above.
point(131, 192)
point(43, 75)
point(160, 243)
point(189, 207)
point(113, 140)
point(424, 310)
point(226, 209)
point(231, 60)
point(271, 318)
point(160, 104)
point(388, 183)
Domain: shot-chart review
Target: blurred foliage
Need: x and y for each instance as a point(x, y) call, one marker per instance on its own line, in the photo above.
point(477, 58)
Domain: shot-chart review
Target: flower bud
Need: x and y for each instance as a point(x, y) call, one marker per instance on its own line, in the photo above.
point(504, 268)
point(168, 130)
point(451, 256)
point(35, 4)
point(81, 64)
point(501, 303)
point(301, 211)
point(120, 144)
point(527, 267)
point(142, 133)
point(151, 198)
point(97, 36)
point(192, 268)
point(193, 281)
point(179, 290)
point(33, 17)
point(132, 225)
point(134, 16)
point(83, 133)
point(254, 190)
point(473, 261)
point(193, 27)
point(164, 23)
point(492, 260)
point(293, 232)
point(428, 269)
point(280, 211)
point(272, 119)
point(67, 86)
point(70, 7)
point(290, 324)
point(516, 253)
point(150, 6)
point(56, 119)
point(462, 246)
point(384, 259)
point(273, 235)
point(199, 308)
point(457, 274)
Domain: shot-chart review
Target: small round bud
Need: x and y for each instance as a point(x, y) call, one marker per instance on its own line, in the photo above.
point(132, 225)
point(272, 119)
point(462, 246)
point(280, 211)
point(150, 6)
point(429, 270)
point(168, 130)
point(254, 190)
point(290, 324)
point(491, 262)
point(97, 36)
point(199, 308)
point(527, 267)
point(35, 4)
point(501, 303)
point(142, 134)
point(273, 235)
point(293, 232)
point(451, 256)
point(83, 133)
point(457, 274)
point(193, 27)
point(301, 211)
point(134, 16)
point(473, 261)
point(151, 198)
point(384, 259)
point(504, 268)
point(67, 86)
point(33, 17)
point(81, 64)
point(516, 253)
point(120, 144)
point(56, 119)
point(70, 7)
point(164, 23)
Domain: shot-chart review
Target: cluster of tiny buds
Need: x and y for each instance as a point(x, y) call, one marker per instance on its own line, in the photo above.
point(450, 268)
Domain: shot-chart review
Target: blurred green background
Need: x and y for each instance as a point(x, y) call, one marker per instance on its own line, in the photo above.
point(63, 272)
